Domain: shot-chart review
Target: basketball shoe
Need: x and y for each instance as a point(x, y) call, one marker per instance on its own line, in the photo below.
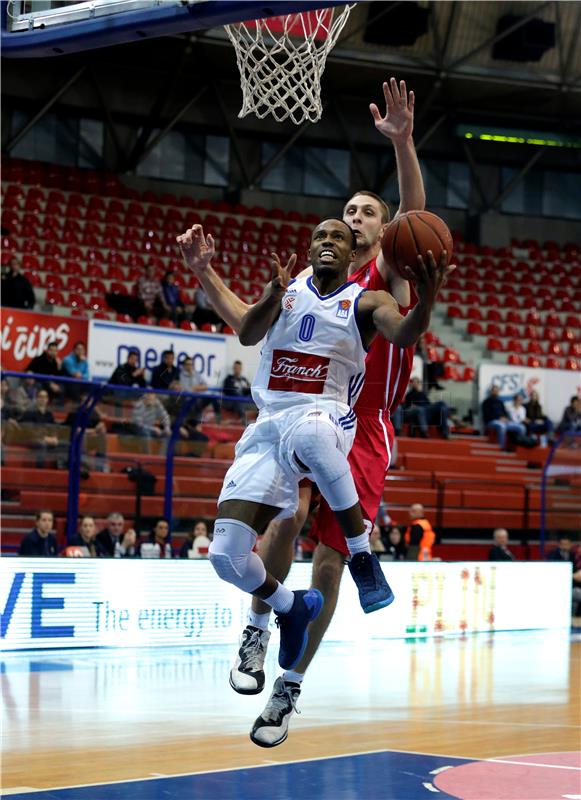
point(374, 590)
point(293, 626)
point(271, 727)
point(247, 674)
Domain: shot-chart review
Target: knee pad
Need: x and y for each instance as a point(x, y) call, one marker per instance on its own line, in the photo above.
point(231, 555)
point(316, 445)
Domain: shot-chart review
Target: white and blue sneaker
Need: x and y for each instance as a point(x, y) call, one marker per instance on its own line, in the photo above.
point(271, 727)
point(293, 626)
point(247, 674)
point(374, 590)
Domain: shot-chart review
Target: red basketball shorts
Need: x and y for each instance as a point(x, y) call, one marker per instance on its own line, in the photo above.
point(369, 459)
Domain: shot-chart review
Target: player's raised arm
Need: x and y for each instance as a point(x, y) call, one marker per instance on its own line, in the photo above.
point(397, 125)
point(198, 251)
point(260, 317)
point(379, 312)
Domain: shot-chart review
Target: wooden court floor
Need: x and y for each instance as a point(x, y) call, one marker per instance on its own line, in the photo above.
point(74, 718)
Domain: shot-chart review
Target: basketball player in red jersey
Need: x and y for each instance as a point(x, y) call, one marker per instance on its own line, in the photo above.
point(387, 375)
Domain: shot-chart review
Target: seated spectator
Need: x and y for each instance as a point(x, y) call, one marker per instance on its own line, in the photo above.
point(192, 381)
point(17, 291)
point(166, 371)
point(419, 535)
point(433, 370)
point(495, 418)
point(75, 365)
point(126, 546)
point(420, 412)
point(537, 423)
point(130, 373)
point(236, 385)
point(571, 422)
point(110, 535)
point(173, 298)
point(563, 551)
point(395, 547)
point(41, 541)
point(499, 550)
point(149, 294)
point(48, 363)
point(203, 312)
point(158, 545)
point(190, 427)
point(86, 541)
point(517, 411)
point(42, 433)
point(197, 538)
point(150, 418)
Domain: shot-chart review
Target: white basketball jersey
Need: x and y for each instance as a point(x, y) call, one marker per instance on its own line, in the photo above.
point(313, 354)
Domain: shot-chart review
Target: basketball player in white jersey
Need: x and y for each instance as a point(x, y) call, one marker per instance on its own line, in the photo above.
point(311, 371)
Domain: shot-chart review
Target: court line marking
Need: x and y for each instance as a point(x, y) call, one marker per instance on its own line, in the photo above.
point(530, 764)
point(242, 767)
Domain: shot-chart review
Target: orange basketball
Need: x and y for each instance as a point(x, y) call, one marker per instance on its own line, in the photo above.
point(413, 234)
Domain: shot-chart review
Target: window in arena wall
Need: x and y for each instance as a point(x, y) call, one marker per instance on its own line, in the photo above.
point(561, 196)
point(69, 141)
point(319, 171)
point(185, 157)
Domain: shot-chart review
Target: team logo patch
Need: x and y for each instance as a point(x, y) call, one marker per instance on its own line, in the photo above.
point(288, 302)
point(291, 371)
point(343, 307)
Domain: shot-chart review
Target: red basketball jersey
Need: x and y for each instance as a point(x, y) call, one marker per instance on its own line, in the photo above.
point(387, 367)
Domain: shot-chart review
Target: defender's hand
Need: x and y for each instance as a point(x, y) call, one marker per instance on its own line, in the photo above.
point(197, 250)
point(281, 276)
point(398, 122)
point(429, 277)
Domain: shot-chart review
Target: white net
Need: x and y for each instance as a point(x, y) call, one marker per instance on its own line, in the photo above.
point(281, 61)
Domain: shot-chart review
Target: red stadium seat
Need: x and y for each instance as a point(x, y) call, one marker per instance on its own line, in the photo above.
point(451, 373)
point(515, 317)
point(469, 374)
point(515, 346)
point(493, 329)
point(531, 332)
point(123, 318)
point(553, 363)
point(551, 335)
point(533, 361)
point(75, 284)
point(209, 328)
point(554, 349)
point(534, 348)
point(493, 315)
point(116, 287)
point(95, 271)
point(53, 281)
point(473, 313)
point(511, 330)
point(574, 349)
point(97, 286)
point(572, 364)
point(515, 361)
point(144, 320)
point(96, 303)
point(494, 345)
point(54, 298)
point(76, 300)
point(474, 328)
point(454, 312)
point(166, 323)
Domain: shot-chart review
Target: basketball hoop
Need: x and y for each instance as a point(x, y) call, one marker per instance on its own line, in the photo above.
point(281, 61)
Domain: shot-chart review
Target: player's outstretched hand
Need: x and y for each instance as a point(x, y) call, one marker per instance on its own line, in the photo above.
point(281, 276)
point(197, 250)
point(429, 276)
point(398, 122)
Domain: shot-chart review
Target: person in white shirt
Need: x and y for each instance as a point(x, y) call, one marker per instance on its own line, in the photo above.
point(517, 411)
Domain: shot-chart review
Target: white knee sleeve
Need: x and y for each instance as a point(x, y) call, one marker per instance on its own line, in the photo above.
point(315, 444)
point(231, 555)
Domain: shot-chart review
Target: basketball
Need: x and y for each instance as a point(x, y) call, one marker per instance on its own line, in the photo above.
point(413, 234)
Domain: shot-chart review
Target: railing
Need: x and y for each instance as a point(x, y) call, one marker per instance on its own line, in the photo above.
point(81, 398)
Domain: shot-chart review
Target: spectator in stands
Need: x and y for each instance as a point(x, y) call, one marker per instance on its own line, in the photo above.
point(17, 291)
point(419, 535)
point(41, 541)
point(517, 411)
point(158, 545)
point(537, 423)
point(236, 385)
point(40, 423)
point(130, 373)
point(495, 417)
point(86, 540)
point(192, 381)
point(166, 371)
point(197, 538)
point(190, 427)
point(110, 535)
point(173, 298)
point(395, 547)
point(433, 370)
point(563, 551)
point(94, 440)
point(13, 402)
point(149, 293)
point(419, 412)
point(499, 550)
point(126, 546)
point(48, 363)
point(571, 422)
point(203, 312)
point(75, 365)
point(376, 542)
point(150, 418)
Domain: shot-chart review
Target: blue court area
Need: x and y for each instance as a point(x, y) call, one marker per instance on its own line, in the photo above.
point(384, 775)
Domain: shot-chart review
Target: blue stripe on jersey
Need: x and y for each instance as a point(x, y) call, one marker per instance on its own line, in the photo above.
point(347, 417)
point(357, 320)
point(355, 388)
point(326, 296)
point(352, 380)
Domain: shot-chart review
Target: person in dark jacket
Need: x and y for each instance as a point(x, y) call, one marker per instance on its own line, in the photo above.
point(495, 417)
point(41, 541)
point(172, 297)
point(499, 550)
point(537, 421)
point(236, 385)
point(166, 372)
point(48, 363)
point(17, 291)
point(111, 534)
point(130, 373)
point(420, 412)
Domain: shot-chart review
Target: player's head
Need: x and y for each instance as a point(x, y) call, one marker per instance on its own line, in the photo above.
point(368, 215)
point(333, 245)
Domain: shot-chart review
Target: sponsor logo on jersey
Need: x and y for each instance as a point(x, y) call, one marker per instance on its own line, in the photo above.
point(288, 303)
point(291, 371)
point(343, 307)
